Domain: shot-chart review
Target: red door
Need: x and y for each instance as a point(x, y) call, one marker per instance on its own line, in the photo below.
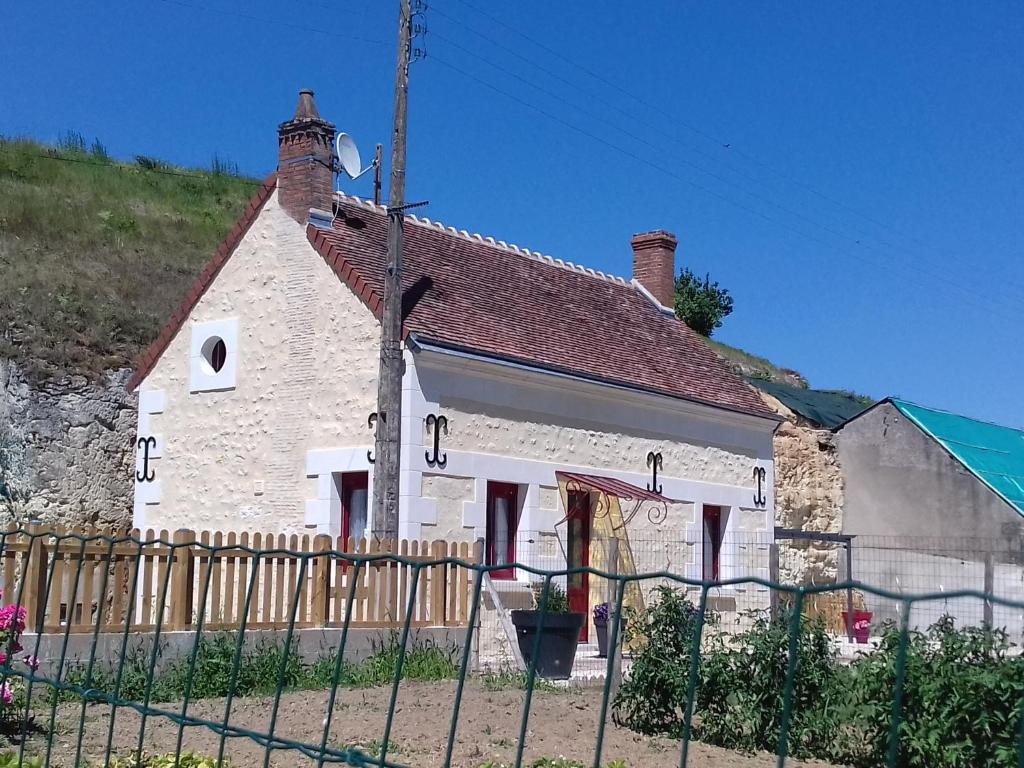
point(578, 555)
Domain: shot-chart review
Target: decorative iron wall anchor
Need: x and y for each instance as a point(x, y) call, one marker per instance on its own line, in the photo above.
point(371, 420)
point(759, 497)
point(436, 424)
point(146, 475)
point(654, 461)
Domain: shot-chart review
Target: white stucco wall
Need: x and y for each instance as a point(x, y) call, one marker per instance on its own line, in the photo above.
point(514, 427)
point(531, 435)
point(306, 370)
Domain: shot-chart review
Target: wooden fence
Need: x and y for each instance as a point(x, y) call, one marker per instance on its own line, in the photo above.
point(68, 581)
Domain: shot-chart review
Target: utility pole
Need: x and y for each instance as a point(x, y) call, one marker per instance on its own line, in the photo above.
point(389, 388)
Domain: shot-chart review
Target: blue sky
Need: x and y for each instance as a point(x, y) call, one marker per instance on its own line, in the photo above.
point(867, 213)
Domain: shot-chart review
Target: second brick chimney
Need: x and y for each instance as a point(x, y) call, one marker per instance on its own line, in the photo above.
point(654, 264)
point(305, 152)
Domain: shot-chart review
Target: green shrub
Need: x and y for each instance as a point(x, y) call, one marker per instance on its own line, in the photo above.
point(742, 683)
point(961, 705)
point(558, 601)
point(962, 694)
point(652, 699)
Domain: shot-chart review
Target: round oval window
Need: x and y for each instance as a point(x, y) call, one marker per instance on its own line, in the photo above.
point(215, 353)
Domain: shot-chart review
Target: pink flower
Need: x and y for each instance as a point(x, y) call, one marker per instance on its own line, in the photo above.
point(32, 662)
point(12, 617)
point(3, 657)
point(6, 694)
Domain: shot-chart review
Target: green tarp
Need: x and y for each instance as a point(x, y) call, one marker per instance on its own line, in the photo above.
point(824, 408)
point(993, 453)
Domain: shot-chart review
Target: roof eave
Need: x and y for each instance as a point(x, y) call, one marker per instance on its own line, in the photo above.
point(418, 341)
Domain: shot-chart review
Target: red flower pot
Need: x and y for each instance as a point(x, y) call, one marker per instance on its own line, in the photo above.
point(861, 624)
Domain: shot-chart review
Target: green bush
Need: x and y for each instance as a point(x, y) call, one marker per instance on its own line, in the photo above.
point(742, 683)
point(652, 699)
point(961, 704)
point(962, 695)
point(558, 601)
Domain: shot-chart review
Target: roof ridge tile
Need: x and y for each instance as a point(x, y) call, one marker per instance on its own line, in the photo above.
point(488, 240)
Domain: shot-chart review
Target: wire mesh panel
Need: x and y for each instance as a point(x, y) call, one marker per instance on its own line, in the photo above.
point(193, 676)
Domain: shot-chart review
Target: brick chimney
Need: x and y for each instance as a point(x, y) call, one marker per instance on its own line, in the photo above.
point(654, 264)
point(305, 151)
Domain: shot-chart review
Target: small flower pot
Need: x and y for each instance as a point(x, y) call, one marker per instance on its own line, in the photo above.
point(861, 625)
point(601, 627)
point(559, 638)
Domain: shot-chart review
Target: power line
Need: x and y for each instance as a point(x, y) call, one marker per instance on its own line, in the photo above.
point(984, 301)
point(275, 22)
point(676, 121)
point(645, 142)
point(707, 190)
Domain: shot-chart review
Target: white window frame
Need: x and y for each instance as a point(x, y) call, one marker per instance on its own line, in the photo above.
point(202, 378)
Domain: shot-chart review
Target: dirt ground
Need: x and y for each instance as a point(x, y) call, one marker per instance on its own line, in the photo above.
point(561, 723)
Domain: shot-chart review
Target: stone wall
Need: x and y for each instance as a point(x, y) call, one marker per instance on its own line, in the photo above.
point(808, 496)
point(66, 448)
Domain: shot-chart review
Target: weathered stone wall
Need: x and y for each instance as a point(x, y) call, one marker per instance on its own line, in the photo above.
point(808, 496)
point(66, 448)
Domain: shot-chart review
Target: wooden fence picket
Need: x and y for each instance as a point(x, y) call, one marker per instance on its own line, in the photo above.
point(91, 575)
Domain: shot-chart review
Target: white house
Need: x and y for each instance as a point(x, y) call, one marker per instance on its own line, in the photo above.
point(557, 391)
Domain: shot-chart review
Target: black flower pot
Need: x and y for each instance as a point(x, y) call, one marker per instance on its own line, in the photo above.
point(558, 640)
point(602, 637)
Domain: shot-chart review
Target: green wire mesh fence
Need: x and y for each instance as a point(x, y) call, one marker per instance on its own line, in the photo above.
point(49, 706)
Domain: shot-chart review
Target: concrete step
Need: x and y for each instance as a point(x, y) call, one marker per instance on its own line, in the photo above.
point(514, 595)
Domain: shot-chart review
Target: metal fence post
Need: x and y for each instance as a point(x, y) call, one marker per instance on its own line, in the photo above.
point(849, 591)
point(616, 641)
point(773, 577)
point(990, 579)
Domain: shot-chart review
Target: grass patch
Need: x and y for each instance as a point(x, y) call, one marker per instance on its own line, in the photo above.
point(509, 680)
point(95, 253)
point(259, 671)
point(756, 367)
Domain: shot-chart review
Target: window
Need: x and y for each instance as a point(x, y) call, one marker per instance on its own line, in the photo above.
point(354, 493)
point(500, 543)
point(714, 534)
point(213, 353)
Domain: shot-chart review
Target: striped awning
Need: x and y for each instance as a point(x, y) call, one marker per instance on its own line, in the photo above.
point(611, 486)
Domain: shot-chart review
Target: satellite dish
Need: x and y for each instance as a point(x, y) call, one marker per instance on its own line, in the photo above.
point(348, 155)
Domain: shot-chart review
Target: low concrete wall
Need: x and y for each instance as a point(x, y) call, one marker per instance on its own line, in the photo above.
point(310, 644)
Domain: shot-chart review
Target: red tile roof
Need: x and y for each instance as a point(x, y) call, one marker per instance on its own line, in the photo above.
point(148, 358)
point(468, 293)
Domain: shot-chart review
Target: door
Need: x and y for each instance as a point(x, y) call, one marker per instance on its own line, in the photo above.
point(501, 528)
point(354, 498)
point(578, 555)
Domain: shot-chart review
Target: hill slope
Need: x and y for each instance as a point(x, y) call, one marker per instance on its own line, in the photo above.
point(95, 254)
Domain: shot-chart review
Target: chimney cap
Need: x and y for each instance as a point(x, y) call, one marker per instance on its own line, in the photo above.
point(306, 116)
point(654, 238)
point(306, 108)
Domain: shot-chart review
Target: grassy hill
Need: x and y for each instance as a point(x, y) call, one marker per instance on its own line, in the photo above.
point(95, 253)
